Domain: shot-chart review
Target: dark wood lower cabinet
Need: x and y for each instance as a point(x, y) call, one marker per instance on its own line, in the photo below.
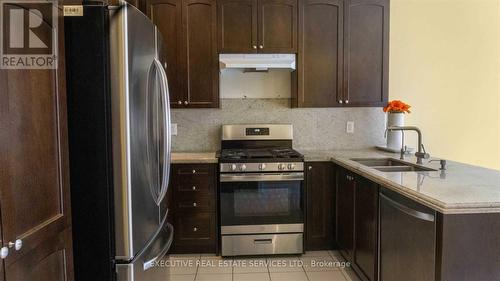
point(357, 222)
point(345, 213)
point(468, 247)
point(195, 233)
point(366, 227)
point(387, 236)
point(320, 205)
point(192, 202)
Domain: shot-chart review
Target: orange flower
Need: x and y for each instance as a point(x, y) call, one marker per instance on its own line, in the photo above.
point(397, 106)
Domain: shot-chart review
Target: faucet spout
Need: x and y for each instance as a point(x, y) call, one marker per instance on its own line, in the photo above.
point(420, 154)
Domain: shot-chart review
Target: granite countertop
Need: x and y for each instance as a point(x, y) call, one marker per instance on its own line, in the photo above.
point(194, 157)
point(460, 189)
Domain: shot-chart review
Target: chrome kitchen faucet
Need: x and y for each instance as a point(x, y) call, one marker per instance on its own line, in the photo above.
point(420, 154)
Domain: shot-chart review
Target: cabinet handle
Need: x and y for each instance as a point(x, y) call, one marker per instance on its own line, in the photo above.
point(261, 46)
point(194, 204)
point(254, 47)
point(18, 244)
point(194, 171)
point(186, 102)
point(4, 252)
point(194, 187)
point(346, 101)
point(341, 101)
point(195, 229)
point(179, 102)
point(310, 168)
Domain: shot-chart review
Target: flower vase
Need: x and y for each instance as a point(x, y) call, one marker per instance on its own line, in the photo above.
point(394, 138)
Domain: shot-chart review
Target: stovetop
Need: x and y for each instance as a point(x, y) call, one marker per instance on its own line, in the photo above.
point(271, 154)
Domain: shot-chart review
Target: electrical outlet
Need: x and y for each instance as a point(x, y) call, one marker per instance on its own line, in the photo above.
point(174, 129)
point(350, 127)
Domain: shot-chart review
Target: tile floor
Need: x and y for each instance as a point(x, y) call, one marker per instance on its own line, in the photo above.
point(312, 266)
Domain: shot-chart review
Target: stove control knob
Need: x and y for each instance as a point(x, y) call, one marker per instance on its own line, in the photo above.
point(262, 166)
point(291, 166)
point(233, 167)
point(243, 167)
point(281, 167)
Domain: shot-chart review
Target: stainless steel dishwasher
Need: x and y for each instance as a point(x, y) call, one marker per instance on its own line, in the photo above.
point(407, 239)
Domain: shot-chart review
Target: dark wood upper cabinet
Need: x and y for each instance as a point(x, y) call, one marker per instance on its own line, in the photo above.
point(320, 56)
point(237, 26)
point(263, 26)
point(167, 16)
point(343, 53)
point(189, 48)
point(366, 53)
point(366, 227)
point(345, 213)
point(200, 59)
point(320, 205)
point(277, 21)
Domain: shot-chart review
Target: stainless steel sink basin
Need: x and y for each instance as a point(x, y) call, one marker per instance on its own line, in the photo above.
point(380, 162)
point(391, 165)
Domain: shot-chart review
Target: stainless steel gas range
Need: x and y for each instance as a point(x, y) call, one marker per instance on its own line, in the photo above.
point(261, 191)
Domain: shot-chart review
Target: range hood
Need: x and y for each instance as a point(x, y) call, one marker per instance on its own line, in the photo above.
point(260, 62)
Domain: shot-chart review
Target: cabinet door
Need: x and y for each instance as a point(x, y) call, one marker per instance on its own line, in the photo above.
point(195, 233)
point(366, 223)
point(166, 15)
point(200, 59)
point(237, 26)
point(320, 57)
point(320, 198)
point(366, 53)
point(277, 26)
point(345, 213)
point(34, 173)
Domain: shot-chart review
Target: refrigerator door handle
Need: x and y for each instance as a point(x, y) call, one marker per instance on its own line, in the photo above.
point(151, 139)
point(166, 131)
point(151, 239)
point(151, 262)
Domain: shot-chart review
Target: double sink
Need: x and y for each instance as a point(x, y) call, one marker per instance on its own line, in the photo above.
point(391, 165)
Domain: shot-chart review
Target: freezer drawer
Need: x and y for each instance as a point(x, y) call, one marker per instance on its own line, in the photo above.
point(147, 266)
point(262, 244)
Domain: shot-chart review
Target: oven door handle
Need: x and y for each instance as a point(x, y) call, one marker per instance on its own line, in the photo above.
point(261, 177)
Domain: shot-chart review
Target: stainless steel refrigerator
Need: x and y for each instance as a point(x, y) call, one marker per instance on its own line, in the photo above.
point(119, 141)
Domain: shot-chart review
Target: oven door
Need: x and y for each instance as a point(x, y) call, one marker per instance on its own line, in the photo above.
point(261, 203)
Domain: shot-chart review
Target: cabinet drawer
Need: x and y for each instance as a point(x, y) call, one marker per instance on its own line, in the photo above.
point(193, 185)
point(199, 226)
point(194, 203)
point(197, 170)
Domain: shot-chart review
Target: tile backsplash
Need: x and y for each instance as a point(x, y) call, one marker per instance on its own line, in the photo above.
point(314, 128)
